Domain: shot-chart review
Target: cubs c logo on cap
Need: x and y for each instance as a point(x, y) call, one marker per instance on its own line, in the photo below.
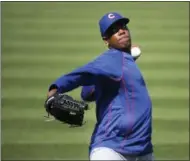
point(110, 16)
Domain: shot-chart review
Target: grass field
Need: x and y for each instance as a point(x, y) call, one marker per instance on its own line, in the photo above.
point(42, 40)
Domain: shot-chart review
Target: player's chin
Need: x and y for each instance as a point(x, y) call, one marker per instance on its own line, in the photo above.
point(124, 46)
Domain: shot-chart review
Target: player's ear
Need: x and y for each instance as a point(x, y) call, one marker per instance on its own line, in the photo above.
point(105, 40)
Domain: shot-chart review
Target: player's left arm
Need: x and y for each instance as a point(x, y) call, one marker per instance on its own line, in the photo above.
point(107, 65)
point(88, 93)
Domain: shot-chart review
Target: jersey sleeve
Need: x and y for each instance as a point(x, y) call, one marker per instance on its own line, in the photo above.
point(107, 65)
point(88, 93)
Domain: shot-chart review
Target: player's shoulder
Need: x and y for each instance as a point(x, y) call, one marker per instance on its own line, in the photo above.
point(112, 51)
point(109, 57)
point(110, 54)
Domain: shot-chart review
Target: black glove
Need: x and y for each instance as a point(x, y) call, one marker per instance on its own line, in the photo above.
point(65, 109)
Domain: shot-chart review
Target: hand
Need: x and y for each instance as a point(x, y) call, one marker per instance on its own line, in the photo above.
point(50, 99)
point(135, 51)
point(51, 92)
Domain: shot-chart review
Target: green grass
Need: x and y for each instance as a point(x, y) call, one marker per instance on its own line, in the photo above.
point(42, 40)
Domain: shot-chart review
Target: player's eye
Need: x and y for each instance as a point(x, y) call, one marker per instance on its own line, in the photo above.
point(115, 28)
point(110, 32)
point(124, 26)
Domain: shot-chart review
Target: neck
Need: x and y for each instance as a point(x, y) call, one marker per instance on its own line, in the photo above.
point(127, 50)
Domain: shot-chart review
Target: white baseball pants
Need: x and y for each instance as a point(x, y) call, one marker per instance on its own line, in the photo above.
point(104, 153)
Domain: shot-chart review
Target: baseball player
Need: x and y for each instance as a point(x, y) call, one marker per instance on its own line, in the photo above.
point(123, 106)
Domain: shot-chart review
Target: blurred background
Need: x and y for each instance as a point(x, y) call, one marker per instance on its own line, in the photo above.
point(43, 40)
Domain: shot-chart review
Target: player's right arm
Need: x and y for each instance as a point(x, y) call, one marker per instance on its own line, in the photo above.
point(88, 93)
point(135, 52)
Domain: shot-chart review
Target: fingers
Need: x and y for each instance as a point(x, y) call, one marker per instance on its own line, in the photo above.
point(50, 98)
point(51, 92)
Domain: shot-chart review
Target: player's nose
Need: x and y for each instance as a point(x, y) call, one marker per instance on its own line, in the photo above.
point(121, 31)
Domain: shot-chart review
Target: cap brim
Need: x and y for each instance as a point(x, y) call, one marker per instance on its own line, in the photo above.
point(126, 20)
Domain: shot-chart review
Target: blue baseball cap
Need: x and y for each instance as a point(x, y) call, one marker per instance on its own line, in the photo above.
point(108, 19)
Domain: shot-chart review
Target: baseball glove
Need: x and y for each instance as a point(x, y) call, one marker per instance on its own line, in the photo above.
point(65, 109)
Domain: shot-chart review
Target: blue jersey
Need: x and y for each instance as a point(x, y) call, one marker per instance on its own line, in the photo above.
point(123, 105)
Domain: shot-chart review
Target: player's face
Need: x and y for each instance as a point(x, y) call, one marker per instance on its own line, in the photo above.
point(118, 36)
